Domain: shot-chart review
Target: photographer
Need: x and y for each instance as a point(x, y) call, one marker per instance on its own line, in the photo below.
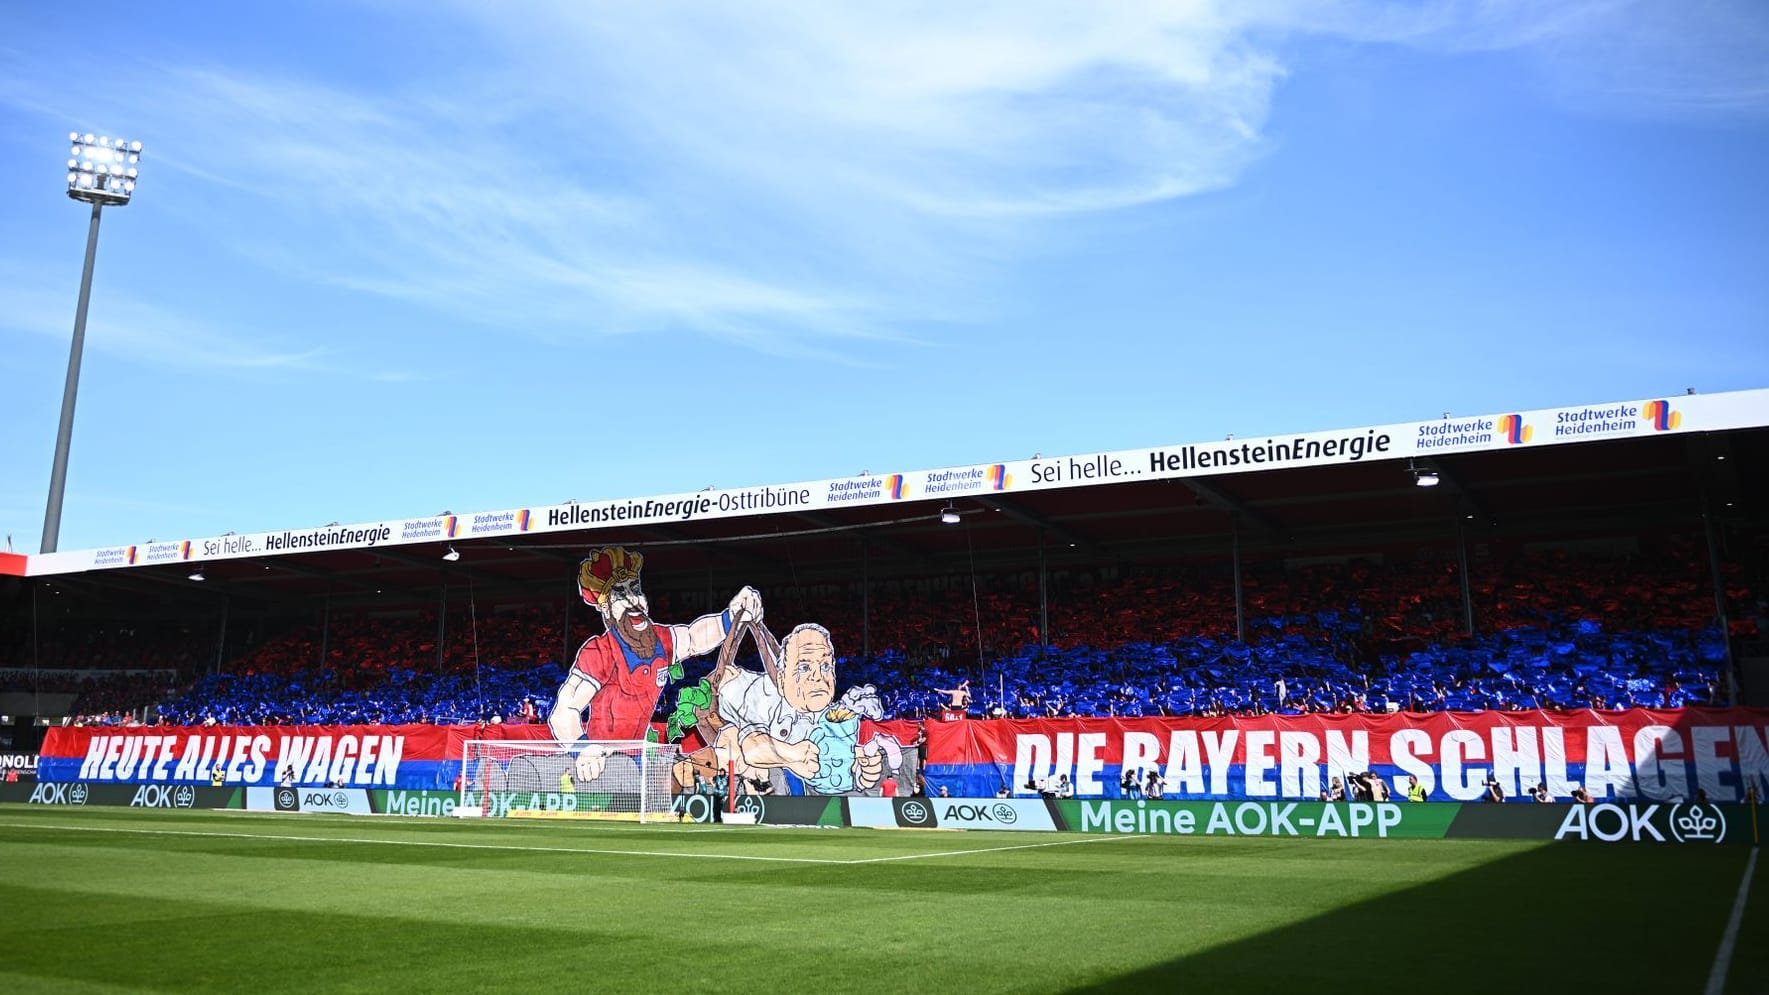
point(1494, 793)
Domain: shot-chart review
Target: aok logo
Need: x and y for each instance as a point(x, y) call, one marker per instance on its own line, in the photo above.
point(1515, 431)
point(1663, 417)
point(695, 808)
point(1611, 823)
point(999, 812)
point(916, 813)
point(59, 794)
point(752, 805)
point(287, 800)
point(163, 796)
point(320, 799)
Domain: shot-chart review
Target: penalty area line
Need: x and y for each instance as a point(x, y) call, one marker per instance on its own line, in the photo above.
point(1729, 939)
point(423, 843)
point(992, 849)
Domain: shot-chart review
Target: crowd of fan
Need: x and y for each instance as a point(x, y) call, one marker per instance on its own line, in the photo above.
point(1555, 630)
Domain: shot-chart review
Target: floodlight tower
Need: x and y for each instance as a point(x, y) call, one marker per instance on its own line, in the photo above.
point(101, 170)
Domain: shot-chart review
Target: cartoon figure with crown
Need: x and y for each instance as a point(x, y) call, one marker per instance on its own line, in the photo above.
point(615, 681)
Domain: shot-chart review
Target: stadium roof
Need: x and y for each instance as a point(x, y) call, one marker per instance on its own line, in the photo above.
point(1589, 470)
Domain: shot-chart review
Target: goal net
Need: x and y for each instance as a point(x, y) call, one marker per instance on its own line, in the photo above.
point(625, 780)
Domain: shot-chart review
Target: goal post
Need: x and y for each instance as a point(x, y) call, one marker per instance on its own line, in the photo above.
point(623, 780)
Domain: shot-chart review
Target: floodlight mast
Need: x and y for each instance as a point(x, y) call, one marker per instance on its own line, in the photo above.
point(100, 171)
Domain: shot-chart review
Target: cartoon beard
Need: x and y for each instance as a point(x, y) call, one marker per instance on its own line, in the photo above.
point(643, 642)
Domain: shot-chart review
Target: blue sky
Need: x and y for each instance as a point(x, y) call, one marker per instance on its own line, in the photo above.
point(388, 258)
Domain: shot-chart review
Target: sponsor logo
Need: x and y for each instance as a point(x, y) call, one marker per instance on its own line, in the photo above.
point(18, 761)
point(1614, 419)
point(334, 801)
point(428, 528)
point(322, 538)
point(999, 478)
point(163, 796)
point(895, 487)
point(165, 552)
point(122, 556)
point(1446, 434)
point(916, 813)
point(420, 803)
point(287, 800)
point(957, 481)
point(58, 794)
point(1297, 819)
point(695, 808)
point(975, 812)
point(498, 522)
point(1613, 823)
point(753, 805)
point(1515, 430)
point(505, 802)
point(863, 489)
point(1663, 417)
point(524, 519)
point(1697, 823)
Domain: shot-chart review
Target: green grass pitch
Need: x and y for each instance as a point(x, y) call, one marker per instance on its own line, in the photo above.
point(111, 900)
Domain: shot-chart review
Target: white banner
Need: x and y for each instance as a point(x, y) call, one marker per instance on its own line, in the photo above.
point(1014, 814)
point(352, 801)
point(1552, 426)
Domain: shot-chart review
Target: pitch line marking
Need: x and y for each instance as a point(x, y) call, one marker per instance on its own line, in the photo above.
point(428, 843)
point(992, 849)
point(1729, 939)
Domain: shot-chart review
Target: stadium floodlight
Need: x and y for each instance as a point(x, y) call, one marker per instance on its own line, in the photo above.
point(101, 170)
point(452, 555)
point(1423, 476)
point(197, 574)
point(949, 515)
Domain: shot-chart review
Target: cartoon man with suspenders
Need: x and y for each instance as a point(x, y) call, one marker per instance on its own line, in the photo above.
point(614, 683)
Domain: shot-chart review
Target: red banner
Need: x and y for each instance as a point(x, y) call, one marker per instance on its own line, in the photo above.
point(1658, 754)
point(405, 756)
point(1639, 753)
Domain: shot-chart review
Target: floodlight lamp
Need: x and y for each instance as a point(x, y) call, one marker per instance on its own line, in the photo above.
point(1425, 478)
point(452, 555)
point(197, 574)
point(949, 515)
point(97, 168)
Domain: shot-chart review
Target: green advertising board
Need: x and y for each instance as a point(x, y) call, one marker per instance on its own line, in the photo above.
point(1228, 818)
point(1639, 822)
point(81, 793)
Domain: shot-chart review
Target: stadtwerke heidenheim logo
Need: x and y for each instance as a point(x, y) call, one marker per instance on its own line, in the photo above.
point(1663, 417)
point(1515, 430)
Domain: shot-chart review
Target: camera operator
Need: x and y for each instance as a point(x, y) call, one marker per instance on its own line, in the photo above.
point(1494, 793)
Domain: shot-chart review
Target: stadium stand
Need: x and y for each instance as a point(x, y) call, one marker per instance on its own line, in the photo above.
point(1556, 627)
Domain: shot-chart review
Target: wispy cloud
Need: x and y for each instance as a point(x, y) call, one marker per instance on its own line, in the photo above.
point(157, 335)
point(799, 177)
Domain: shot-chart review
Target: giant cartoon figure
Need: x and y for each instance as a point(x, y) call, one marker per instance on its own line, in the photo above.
point(789, 718)
point(617, 677)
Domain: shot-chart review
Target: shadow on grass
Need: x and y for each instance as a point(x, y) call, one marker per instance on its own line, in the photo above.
point(1556, 918)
